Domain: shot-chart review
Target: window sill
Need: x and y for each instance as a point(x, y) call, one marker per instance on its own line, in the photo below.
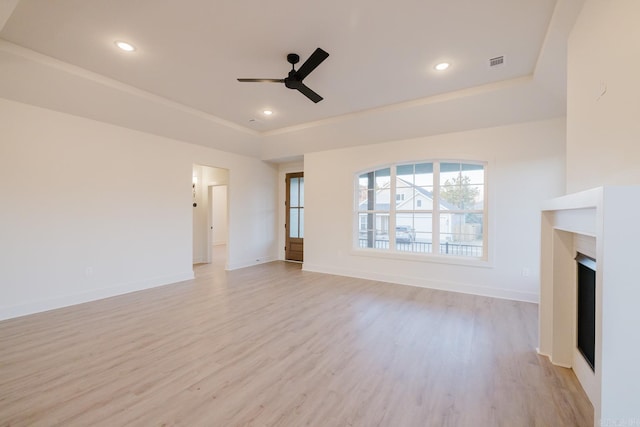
point(431, 258)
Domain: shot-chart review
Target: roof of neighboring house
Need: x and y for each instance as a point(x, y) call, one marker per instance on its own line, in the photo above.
point(426, 193)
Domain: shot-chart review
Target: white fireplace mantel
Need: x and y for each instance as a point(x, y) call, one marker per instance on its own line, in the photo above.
point(610, 216)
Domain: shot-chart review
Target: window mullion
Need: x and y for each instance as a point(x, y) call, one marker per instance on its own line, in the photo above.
point(392, 210)
point(485, 209)
point(371, 227)
point(435, 216)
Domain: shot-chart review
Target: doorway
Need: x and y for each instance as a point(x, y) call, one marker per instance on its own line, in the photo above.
point(294, 222)
point(210, 220)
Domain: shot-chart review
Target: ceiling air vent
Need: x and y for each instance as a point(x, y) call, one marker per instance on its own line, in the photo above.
point(494, 62)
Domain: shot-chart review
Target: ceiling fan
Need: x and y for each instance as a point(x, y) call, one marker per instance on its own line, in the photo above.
point(295, 77)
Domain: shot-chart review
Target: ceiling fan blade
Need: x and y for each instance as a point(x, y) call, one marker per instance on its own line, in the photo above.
point(309, 93)
point(310, 64)
point(262, 80)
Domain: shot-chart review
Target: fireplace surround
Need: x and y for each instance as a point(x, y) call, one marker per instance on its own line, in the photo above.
point(603, 224)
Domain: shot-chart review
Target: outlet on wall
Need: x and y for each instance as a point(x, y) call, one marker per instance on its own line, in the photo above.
point(526, 272)
point(88, 271)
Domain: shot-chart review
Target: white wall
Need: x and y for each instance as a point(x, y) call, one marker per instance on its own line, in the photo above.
point(526, 166)
point(603, 134)
point(91, 210)
point(603, 129)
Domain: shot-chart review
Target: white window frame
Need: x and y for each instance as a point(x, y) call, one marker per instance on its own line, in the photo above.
point(435, 255)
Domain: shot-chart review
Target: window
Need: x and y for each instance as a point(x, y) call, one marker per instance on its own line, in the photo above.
point(374, 194)
point(440, 208)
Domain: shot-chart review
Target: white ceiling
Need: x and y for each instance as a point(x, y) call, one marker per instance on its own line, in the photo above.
point(61, 55)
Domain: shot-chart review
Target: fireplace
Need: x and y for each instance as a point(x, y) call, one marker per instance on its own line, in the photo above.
point(601, 223)
point(586, 308)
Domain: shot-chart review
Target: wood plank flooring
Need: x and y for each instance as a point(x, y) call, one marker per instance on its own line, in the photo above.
point(274, 346)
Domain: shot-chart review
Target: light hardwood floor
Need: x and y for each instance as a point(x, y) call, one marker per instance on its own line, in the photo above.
point(274, 346)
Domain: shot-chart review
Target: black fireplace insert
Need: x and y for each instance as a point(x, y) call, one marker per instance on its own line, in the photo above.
point(586, 310)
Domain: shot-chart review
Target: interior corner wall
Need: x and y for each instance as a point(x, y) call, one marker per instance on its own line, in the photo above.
point(201, 199)
point(525, 167)
point(91, 210)
point(603, 96)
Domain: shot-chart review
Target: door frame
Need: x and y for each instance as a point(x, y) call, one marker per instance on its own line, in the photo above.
point(289, 241)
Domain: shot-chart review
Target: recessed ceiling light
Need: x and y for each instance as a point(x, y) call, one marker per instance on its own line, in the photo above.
point(127, 47)
point(267, 112)
point(442, 66)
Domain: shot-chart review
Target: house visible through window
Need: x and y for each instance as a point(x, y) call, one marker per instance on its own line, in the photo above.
point(440, 208)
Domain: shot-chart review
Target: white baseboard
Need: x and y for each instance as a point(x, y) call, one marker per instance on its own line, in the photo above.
point(93, 295)
point(249, 262)
point(548, 356)
point(465, 288)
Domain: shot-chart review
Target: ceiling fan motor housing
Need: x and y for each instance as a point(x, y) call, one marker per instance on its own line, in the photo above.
point(292, 82)
point(293, 58)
